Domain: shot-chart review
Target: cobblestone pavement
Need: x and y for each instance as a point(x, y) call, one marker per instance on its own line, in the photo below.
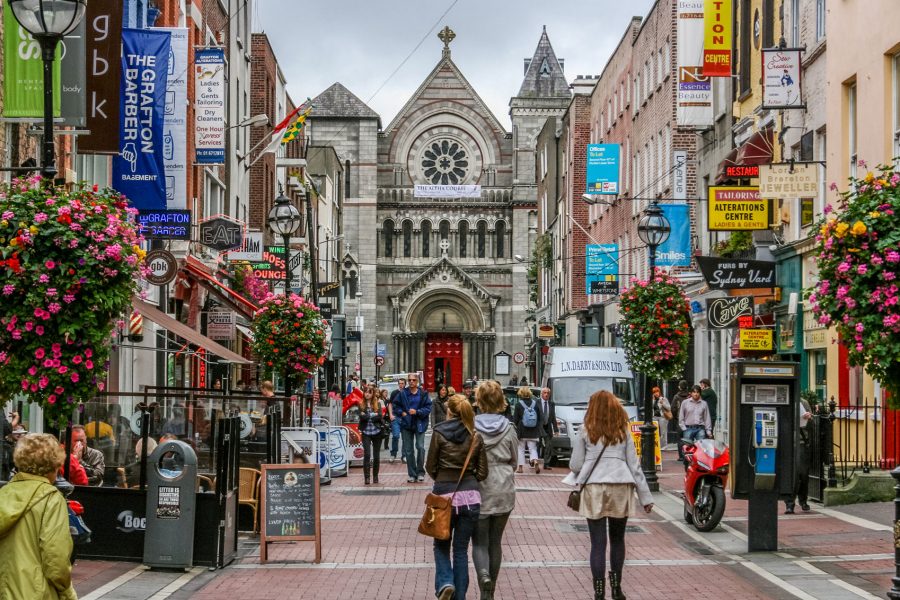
point(370, 550)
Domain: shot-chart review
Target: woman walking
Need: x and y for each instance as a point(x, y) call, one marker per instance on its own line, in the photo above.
point(605, 462)
point(498, 491)
point(439, 407)
point(456, 461)
point(371, 423)
point(527, 418)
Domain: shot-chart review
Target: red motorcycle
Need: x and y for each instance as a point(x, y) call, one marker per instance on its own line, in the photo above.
point(706, 473)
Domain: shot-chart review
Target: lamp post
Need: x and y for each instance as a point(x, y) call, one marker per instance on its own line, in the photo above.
point(653, 229)
point(48, 21)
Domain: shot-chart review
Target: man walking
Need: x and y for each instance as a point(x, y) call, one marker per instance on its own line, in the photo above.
point(694, 417)
point(550, 428)
point(712, 401)
point(395, 420)
point(413, 406)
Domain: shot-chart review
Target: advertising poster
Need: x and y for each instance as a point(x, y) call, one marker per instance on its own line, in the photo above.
point(103, 30)
point(602, 169)
point(636, 436)
point(175, 120)
point(755, 339)
point(781, 78)
point(209, 106)
point(23, 71)
point(694, 94)
point(139, 167)
point(601, 268)
point(717, 38)
point(737, 209)
point(676, 251)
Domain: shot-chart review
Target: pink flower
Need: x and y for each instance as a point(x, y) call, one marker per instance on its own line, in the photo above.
point(892, 256)
point(39, 353)
point(51, 399)
point(54, 308)
point(44, 278)
point(32, 370)
point(43, 381)
point(50, 264)
point(860, 327)
point(862, 269)
point(58, 390)
point(88, 353)
point(74, 377)
point(39, 330)
point(62, 370)
point(89, 365)
point(8, 289)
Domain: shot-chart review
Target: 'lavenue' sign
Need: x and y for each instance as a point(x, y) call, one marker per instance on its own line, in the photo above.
point(735, 274)
point(724, 313)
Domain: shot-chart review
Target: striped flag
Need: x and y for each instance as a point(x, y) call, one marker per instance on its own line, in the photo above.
point(282, 132)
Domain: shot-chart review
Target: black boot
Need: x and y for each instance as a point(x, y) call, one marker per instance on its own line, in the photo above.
point(599, 589)
point(615, 586)
point(367, 476)
point(486, 587)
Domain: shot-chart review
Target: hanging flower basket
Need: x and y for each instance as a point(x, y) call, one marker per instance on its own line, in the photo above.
point(656, 326)
point(289, 337)
point(858, 256)
point(69, 266)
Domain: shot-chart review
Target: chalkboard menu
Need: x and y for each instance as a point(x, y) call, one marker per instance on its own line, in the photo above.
point(290, 505)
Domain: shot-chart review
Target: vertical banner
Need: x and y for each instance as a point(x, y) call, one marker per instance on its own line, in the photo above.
point(139, 167)
point(717, 38)
point(602, 169)
point(175, 119)
point(680, 175)
point(601, 268)
point(781, 78)
point(694, 95)
point(676, 251)
point(209, 106)
point(23, 71)
point(103, 24)
point(72, 77)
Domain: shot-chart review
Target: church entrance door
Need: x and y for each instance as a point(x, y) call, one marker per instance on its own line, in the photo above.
point(444, 360)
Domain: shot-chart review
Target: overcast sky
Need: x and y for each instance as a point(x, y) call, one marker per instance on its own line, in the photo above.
point(360, 42)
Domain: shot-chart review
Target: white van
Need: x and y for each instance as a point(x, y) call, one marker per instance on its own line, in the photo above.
point(573, 375)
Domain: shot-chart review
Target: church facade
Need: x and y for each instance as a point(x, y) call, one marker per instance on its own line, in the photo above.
point(439, 218)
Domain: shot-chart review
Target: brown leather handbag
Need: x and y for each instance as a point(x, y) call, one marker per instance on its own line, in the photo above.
point(435, 522)
point(574, 501)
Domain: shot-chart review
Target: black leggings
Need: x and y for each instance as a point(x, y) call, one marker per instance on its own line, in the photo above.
point(597, 528)
point(487, 552)
point(371, 453)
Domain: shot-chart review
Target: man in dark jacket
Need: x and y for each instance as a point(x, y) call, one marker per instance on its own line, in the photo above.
point(712, 400)
point(413, 407)
point(549, 428)
point(395, 421)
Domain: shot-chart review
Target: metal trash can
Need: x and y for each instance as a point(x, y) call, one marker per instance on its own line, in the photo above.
point(171, 506)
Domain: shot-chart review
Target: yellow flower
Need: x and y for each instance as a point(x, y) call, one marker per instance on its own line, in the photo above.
point(870, 177)
point(33, 229)
point(139, 252)
point(859, 228)
point(4, 223)
point(874, 214)
point(841, 230)
point(14, 242)
point(881, 182)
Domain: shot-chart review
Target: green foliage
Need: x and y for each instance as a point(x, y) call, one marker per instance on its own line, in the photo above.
point(289, 337)
point(737, 243)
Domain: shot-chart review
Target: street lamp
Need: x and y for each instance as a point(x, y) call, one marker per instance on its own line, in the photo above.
point(653, 229)
point(48, 21)
point(284, 219)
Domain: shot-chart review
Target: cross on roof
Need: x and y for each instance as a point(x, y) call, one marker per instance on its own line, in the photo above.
point(446, 35)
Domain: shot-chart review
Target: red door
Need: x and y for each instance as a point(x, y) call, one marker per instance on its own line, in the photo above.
point(443, 360)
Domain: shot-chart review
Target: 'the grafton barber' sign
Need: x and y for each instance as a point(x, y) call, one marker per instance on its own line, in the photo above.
point(735, 274)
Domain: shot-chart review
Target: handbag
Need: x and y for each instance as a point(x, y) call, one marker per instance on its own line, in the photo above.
point(574, 501)
point(435, 522)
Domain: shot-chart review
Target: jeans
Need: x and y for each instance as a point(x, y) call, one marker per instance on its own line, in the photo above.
point(695, 432)
point(456, 572)
point(487, 552)
point(532, 451)
point(597, 529)
point(415, 455)
point(371, 454)
point(395, 437)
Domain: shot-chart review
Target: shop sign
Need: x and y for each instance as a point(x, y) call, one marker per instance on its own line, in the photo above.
point(546, 331)
point(815, 336)
point(781, 78)
point(251, 248)
point(742, 171)
point(755, 339)
point(330, 289)
point(603, 169)
point(693, 100)
point(723, 313)
point(785, 181)
point(165, 224)
point(717, 39)
point(209, 106)
point(731, 274)
point(220, 325)
point(163, 266)
point(221, 234)
point(737, 209)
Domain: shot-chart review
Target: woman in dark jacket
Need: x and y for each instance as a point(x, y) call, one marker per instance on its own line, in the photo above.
point(439, 406)
point(371, 423)
point(528, 436)
point(450, 445)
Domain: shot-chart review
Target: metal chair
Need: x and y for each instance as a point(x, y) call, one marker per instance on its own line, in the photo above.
point(248, 492)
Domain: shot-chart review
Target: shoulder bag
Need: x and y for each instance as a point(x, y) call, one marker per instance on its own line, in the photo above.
point(574, 501)
point(435, 522)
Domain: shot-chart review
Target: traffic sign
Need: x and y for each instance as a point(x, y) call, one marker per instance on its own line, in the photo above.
point(379, 361)
point(518, 358)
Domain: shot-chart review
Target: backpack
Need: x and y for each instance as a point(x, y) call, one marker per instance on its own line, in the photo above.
point(529, 417)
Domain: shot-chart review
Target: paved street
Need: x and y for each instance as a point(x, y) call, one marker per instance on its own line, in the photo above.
point(371, 550)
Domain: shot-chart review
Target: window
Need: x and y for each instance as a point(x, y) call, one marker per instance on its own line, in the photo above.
point(444, 229)
point(659, 65)
point(795, 23)
point(851, 127)
point(407, 239)
point(820, 19)
point(667, 64)
point(744, 47)
point(426, 239)
point(768, 23)
point(215, 196)
point(500, 232)
point(481, 239)
point(463, 238)
point(388, 235)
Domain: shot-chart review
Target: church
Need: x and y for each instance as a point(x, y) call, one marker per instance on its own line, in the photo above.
point(439, 217)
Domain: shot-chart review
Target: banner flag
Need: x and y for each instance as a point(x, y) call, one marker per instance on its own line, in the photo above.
point(693, 104)
point(23, 72)
point(139, 167)
point(209, 106)
point(676, 251)
point(601, 268)
point(103, 19)
point(280, 133)
point(717, 38)
point(175, 119)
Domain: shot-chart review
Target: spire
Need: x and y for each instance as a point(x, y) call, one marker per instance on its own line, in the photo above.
point(446, 35)
point(544, 77)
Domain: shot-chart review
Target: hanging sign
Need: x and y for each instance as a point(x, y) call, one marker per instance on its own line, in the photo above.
point(781, 78)
point(676, 250)
point(165, 224)
point(139, 167)
point(103, 21)
point(755, 339)
point(693, 103)
point(602, 169)
point(221, 234)
point(220, 324)
point(163, 267)
point(73, 77)
point(601, 268)
point(737, 209)
point(717, 38)
point(209, 106)
point(724, 313)
point(251, 249)
point(447, 191)
point(731, 274)
point(175, 119)
point(23, 71)
point(784, 181)
point(680, 175)
point(742, 172)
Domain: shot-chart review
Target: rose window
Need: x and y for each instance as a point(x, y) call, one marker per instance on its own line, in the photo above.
point(445, 163)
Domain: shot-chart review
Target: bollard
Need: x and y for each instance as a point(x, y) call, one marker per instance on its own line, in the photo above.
point(829, 444)
point(894, 594)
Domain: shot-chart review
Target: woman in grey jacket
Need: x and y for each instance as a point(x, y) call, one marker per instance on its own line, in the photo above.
point(498, 491)
point(605, 462)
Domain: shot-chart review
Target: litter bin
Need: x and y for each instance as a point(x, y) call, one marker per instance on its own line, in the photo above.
point(171, 503)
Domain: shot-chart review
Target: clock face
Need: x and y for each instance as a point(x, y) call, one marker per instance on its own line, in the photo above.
point(445, 162)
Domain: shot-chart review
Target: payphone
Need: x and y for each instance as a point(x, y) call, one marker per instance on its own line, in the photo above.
point(763, 431)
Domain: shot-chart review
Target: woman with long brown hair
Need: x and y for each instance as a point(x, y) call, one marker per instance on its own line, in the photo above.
point(605, 462)
point(371, 423)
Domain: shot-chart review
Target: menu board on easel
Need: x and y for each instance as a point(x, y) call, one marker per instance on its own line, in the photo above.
point(289, 506)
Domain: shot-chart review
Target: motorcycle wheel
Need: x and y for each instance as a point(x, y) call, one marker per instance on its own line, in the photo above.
point(688, 516)
point(708, 518)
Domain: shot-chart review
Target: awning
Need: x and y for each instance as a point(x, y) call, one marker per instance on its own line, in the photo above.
point(245, 331)
point(728, 161)
point(230, 298)
point(757, 150)
point(181, 330)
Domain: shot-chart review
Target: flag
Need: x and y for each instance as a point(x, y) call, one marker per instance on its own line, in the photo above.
point(279, 134)
point(293, 131)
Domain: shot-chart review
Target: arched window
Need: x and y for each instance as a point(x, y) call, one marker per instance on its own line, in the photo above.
point(388, 235)
point(481, 239)
point(426, 239)
point(463, 238)
point(445, 230)
point(500, 232)
point(351, 284)
point(407, 239)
